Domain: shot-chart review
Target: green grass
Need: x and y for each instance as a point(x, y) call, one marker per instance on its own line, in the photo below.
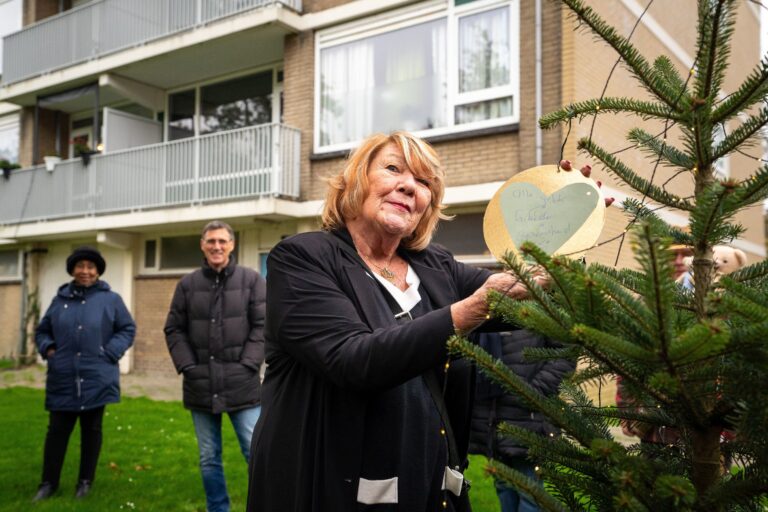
point(148, 460)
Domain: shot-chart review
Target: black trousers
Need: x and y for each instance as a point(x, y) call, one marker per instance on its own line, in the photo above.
point(60, 425)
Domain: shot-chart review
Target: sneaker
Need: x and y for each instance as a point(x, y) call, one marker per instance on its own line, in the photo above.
point(83, 488)
point(44, 492)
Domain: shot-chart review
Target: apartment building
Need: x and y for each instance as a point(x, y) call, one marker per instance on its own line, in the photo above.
point(136, 121)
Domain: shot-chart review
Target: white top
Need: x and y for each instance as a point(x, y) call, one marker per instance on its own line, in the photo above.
point(405, 299)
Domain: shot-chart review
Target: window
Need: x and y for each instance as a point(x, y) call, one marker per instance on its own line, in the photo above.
point(181, 115)
point(150, 253)
point(9, 138)
point(225, 105)
point(430, 68)
point(484, 67)
point(463, 235)
point(180, 252)
point(10, 265)
point(236, 103)
point(174, 253)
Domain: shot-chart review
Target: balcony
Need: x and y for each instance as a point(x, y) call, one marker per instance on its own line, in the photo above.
point(249, 162)
point(106, 26)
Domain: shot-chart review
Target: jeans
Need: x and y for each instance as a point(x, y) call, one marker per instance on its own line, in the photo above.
point(60, 426)
point(208, 432)
point(511, 500)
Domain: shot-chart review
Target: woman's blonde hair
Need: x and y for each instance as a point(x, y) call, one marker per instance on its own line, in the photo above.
point(348, 189)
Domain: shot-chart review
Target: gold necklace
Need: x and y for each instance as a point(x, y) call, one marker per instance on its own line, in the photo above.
point(384, 272)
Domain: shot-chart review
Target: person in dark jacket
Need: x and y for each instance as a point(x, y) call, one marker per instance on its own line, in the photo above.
point(494, 406)
point(363, 410)
point(83, 335)
point(214, 333)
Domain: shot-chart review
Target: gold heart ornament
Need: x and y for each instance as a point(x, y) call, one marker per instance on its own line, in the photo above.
point(562, 212)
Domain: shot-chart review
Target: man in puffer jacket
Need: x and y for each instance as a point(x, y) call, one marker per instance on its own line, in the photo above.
point(214, 333)
point(494, 406)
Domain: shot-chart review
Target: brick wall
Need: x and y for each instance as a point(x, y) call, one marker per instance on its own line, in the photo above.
point(298, 92)
point(10, 318)
point(36, 10)
point(47, 132)
point(309, 6)
point(152, 298)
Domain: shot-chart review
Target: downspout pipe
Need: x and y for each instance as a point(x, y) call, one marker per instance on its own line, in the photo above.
point(23, 320)
point(538, 75)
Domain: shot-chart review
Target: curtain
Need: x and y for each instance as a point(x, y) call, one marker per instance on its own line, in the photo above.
point(346, 83)
point(390, 81)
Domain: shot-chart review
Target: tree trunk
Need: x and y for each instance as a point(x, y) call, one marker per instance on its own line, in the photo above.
point(705, 446)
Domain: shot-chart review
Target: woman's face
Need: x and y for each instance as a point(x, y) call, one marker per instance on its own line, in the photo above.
point(85, 273)
point(396, 199)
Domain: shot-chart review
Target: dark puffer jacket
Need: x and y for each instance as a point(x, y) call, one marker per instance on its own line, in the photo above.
point(91, 329)
point(493, 405)
point(215, 336)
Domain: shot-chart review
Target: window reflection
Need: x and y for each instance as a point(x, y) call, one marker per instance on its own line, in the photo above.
point(238, 103)
point(9, 138)
point(484, 50)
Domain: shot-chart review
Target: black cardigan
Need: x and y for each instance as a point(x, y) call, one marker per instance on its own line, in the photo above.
point(331, 341)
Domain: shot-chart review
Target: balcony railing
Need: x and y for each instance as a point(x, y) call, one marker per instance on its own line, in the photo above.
point(248, 162)
point(105, 26)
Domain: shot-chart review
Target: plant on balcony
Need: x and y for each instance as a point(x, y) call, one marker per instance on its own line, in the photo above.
point(7, 167)
point(692, 362)
point(84, 151)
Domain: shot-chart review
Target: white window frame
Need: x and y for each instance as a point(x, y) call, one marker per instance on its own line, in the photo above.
point(19, 266)
point(415, 15)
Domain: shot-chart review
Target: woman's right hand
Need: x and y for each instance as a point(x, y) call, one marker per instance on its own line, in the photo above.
point(49, 353)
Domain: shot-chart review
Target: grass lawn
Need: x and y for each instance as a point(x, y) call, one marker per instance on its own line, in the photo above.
point(148, 460)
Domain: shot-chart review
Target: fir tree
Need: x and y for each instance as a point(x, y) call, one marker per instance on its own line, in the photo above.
point(696, 361)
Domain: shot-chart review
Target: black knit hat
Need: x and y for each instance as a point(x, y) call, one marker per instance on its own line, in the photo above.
point(89, 254)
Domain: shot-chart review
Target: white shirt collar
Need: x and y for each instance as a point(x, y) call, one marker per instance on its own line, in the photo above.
point(405, 299)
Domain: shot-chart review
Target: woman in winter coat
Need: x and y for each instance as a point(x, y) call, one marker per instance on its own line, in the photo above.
point(83, 335)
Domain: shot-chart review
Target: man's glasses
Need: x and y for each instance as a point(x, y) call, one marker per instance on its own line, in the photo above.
point(216, 241)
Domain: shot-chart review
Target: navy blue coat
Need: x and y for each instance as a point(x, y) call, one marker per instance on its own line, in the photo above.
point(493, 405)
point(91, 329)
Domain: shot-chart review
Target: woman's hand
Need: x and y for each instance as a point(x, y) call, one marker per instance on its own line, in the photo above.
point(49, 353)
point(472, 311)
